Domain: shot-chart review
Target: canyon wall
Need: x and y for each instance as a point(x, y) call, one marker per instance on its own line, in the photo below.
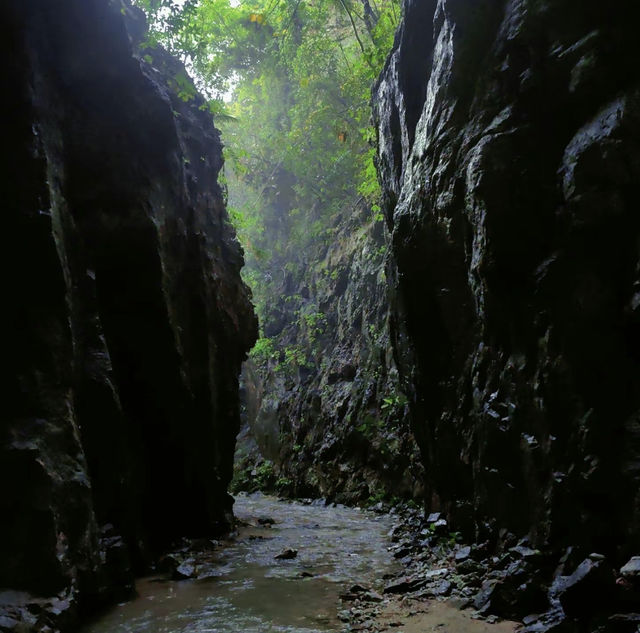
point(327, 412)
point(124, 318)
point(510, 155)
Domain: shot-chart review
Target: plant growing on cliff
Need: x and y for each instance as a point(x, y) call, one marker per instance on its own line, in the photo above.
point(263, 351)
point(295, 357)
point(292, 81)
point(314, 325)
point(394, 402)
point(370, 426)
point(264, 477)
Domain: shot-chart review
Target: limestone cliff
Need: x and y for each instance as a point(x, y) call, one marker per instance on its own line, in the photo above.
point(124, 318)
point(509, 155)
point(327, 411)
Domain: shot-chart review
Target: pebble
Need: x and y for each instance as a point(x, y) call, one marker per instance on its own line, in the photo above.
point(286, 554)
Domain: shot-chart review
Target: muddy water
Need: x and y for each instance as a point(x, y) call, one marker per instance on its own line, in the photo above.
point(251, 591)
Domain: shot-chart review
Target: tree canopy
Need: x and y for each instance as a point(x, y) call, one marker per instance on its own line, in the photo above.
point(289, 83)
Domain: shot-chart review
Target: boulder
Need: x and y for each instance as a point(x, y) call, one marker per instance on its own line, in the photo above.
point(587, 589)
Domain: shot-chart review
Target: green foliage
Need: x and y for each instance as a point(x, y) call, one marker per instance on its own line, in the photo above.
point(447, 540)
point(265, 475)
point(370, 426)
point(294, 357)
point(283, 484)
point(394, 402)
point(183, 86)
point(315, 324)
point(289, 85)
point(376, 498)
point(263, 351)
point(249, 479)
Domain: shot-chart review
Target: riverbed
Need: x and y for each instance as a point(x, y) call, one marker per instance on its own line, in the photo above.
point(249, 590)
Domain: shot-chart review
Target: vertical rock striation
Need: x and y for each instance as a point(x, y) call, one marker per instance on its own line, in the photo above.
point(510, 156)
point(332, 422)
point(124, 318)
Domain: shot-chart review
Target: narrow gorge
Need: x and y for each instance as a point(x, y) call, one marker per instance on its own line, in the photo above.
point(125, 319)
point(400, 289)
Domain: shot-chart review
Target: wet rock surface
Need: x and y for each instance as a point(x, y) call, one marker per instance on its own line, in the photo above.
point(125, 320)
point(335, 426)
point(509, 159)
point(508, 583)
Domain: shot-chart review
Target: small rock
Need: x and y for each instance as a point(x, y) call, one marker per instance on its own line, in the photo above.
point(632, 568)
point(483, 597)
point(343, 616)
point(372, 596)
point(522, 551)
point(585, 589)
point(435, 573)
point(472, 580)
point(469, 566)
point(203, 545)
point(209, 574)
point(463, 554)
point(287, 554)
point(266, 521)
point(553, 621)
point(441, 589)
point(402, 585)
point(7, 623)
point(169, 563)
point(59, 606)
point(185, 570)
point(625, 622)
point(355, 592)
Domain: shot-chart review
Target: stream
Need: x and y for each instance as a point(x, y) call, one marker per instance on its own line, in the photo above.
point(251, 591)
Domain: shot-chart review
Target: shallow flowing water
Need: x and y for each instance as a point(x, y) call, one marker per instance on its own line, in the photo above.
point(252, 592)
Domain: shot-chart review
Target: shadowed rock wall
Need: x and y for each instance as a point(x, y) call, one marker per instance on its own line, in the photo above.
point(124, 319)
point(510, 158)
point(334, 426)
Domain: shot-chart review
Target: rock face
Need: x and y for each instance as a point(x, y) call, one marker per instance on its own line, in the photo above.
point(124, 318)
point(328, 413)
point(509, 155)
